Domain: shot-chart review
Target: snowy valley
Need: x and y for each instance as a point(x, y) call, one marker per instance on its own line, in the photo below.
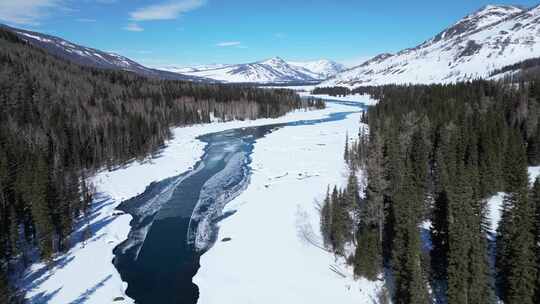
point(273, 181)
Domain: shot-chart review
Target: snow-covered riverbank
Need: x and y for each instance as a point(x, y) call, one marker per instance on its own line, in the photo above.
point(270, 248)
point(86, 273)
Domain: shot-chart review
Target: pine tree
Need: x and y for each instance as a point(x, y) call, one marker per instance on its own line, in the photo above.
point(346, 153)
point(393, 176)
point(536, 200)
point(410, 284)
point(5, 289)
point(368, 255)
point(533, 148)
point(326, 220)
point(338, 222)
point(444, 163)
point(515, 238)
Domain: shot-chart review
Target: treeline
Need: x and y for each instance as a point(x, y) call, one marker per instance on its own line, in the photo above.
point(525, 66)
point(332, 91)
point(59, 122)
point(434, 155)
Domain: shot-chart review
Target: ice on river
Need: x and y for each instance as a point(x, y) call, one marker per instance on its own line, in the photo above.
point(269, 250)
point(215, 194)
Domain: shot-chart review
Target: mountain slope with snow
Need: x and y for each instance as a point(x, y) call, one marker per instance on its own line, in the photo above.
point(322, 69)
point(489, 39)
point(274, 70)
point(93, 57)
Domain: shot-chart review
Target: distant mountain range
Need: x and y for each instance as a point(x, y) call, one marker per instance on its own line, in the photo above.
point(95, 58)
point(474, 47)
point(480, 45)
point(274, 70)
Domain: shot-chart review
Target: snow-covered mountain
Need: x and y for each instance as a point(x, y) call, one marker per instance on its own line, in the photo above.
point(92, 57)
point(274, 70)
point(322, 69)
point(490, 38)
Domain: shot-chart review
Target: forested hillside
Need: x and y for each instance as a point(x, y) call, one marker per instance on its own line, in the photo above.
point(433, 157)
point(59, 122)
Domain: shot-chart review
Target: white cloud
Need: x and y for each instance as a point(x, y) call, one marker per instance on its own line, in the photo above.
point(133, 27)
point(27, 12)
point(165, 11)
point(229, 43)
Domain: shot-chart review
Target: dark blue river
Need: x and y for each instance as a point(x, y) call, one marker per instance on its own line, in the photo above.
point(174, 219)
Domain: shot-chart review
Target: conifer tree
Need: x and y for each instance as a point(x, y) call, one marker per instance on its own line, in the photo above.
point(536, 201)
point(346, 153)
point(443, 167)
point(368, 256)
point(326, 220)
point(410, 284)
point(516, 241)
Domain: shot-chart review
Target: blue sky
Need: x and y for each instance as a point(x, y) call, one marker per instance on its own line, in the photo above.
point(191, 32)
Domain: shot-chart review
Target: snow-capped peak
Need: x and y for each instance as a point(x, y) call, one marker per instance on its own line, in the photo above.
point(475, 46)
point(486, 16)
point(274, 61)
point(272, 70)
point(323, 68)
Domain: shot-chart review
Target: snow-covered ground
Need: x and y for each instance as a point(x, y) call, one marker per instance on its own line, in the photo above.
point(306, 91)
point(270, 248)
point(86, 273)
point(494, 204)
point(365, 99)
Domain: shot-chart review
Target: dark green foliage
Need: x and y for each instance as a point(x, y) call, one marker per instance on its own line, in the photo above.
point(536, 200)
point(5, 290)
point(446, 149)
point(410, 284)
point(368, 255)
point(369, 237)
point(337, 212)
point(326, 220)
point(332, 91)
point(516, 254)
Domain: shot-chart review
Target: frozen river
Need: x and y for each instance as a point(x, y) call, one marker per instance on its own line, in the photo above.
point(174, 219)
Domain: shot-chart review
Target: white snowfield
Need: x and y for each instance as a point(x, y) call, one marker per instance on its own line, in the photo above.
point(495, 203)
point(363, 98)
point(86, 273)
point(489, 39)
point(274, 254)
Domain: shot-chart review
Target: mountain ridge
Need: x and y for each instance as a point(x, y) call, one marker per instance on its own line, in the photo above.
point(92, 57)
point(272, 70)
point(483, 41)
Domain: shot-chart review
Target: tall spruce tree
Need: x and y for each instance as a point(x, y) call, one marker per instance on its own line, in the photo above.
point(443, 165)
point(516, 241)
point(326, 220)
point(410, 284)
point(536, 200)
point(368, 256)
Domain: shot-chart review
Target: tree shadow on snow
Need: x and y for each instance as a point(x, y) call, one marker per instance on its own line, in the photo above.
point(43, 297)
point(37, 277)
point(86, 295)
